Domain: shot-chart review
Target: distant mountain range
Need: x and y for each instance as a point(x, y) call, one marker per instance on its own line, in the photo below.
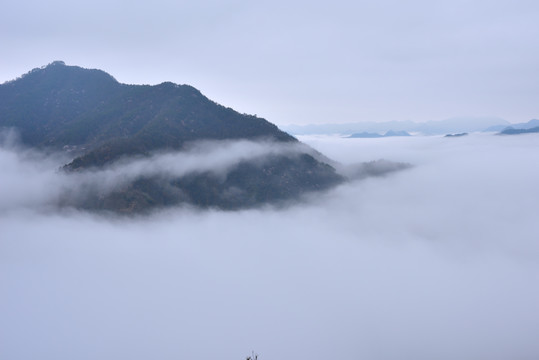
point(529, 127)
point(522, 126)
point(442, 127)
point(99, 121)
point(390, 133)
point(513, 131)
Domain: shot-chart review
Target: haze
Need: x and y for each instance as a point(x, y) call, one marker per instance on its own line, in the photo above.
point(437, 261)
point(298, 62)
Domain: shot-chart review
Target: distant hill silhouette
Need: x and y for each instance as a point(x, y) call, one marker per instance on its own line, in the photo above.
point(365, 135)
point(527, 125)
point(99, 120)
point(396, 133)
point(389, 133)
point(512, 131)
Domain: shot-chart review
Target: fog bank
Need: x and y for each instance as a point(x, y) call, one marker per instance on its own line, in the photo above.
point(33, 179)
point(439, 261)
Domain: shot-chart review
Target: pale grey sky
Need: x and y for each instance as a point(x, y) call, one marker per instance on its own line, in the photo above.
point(299, 61)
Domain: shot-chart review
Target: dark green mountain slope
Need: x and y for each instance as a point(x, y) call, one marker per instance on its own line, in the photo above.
point(61, 105)
point(98, 120)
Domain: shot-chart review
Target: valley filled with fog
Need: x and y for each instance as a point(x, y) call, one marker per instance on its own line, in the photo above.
point(436, 261)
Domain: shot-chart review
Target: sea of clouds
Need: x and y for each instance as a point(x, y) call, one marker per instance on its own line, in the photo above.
point(436, 261)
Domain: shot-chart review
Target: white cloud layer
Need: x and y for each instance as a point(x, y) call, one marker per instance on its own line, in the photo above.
point(436, 262)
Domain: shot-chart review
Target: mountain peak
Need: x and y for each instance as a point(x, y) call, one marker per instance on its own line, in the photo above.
point(59, 71)
point(57, 63)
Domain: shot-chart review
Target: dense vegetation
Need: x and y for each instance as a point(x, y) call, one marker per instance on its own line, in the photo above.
point(67, 106)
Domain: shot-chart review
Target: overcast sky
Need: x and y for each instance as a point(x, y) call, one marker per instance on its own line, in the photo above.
point(298, 61)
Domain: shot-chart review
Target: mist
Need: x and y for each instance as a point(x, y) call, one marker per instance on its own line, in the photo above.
point(33, 179)
point(435, 261)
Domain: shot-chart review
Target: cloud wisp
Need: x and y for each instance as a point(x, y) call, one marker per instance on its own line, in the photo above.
point(32, 179)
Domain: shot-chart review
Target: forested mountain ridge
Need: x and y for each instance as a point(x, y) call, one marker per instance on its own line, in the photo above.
point(61, 105)
point(99, 120)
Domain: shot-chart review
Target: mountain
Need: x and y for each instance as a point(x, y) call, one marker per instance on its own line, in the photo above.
point(495, 128)
point(100, 121)
point(452, 125)
point(522, 126)
point(389, 133)
point(59, 105)
point(512, 131)
point(365, 135)
point(533, 123)
point(396, 133)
